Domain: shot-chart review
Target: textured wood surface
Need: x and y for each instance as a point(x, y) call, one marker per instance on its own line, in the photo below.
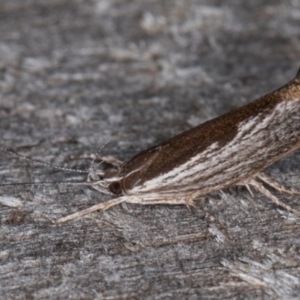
point(76, 74)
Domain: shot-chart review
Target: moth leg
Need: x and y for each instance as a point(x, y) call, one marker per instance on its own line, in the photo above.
point(149, 199)
point(187, 200)
point(104, 205)
point(259, 187)
point(249, 190)
point(146, 199)
point(213, 219)
point(99, 188)
point(277, 185)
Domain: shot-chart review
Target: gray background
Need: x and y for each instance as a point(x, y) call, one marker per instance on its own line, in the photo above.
point(75, 74)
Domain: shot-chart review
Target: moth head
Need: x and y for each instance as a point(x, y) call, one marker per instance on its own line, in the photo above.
point(113, 180)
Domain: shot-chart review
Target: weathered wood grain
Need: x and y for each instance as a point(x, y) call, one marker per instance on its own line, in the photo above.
point(75, 74)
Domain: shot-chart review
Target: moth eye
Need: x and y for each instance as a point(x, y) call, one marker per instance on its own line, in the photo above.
point(115, 187)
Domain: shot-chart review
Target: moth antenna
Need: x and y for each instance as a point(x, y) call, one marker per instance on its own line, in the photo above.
point(98, 153)
point(47, 183)
point(212, 219)
point(41, 162)
point(95, 184)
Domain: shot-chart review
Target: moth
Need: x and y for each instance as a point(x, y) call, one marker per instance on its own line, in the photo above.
point(230, 150)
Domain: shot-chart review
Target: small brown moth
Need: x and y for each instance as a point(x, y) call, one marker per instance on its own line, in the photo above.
point(232, 149)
